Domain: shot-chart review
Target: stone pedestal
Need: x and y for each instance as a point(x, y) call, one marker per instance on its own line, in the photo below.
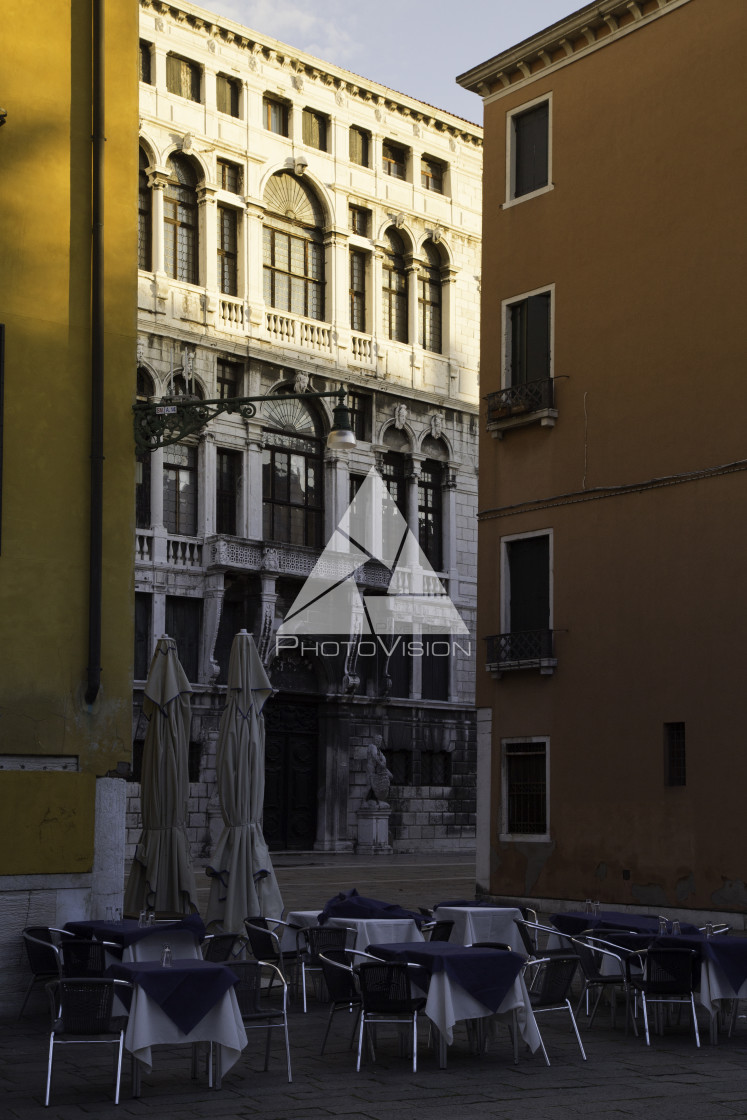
point(373, 830)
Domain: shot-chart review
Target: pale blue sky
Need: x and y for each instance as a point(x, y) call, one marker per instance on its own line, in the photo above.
point(413, 46)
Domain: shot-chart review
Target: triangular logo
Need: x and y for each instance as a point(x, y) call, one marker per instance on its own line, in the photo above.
point(372, 529)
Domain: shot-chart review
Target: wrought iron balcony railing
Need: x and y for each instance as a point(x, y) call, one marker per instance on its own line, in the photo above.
point(532, 396)
point(523, 649)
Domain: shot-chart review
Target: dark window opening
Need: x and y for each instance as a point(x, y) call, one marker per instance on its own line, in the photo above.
point(145, 62)
point(183, 77)
point(359, 410)
point(229, 374)
point(359, 147)
point(229, 176)
point(529, 583)
point(145, 217)
point(399, 763)
point(529, 328)
point(359, 220)
point(143, 609)
point(227, 95)
point(357, 290)
point(180, 490)
point(675, 756)
point(526, 788)
point(531, 149)
point(430, 512)
point(393, 473)
point(292, 489)
point(228, 472)
point(432, 175)
point(435, 664)
point(314, 127)
point(227, 250)
point(275, 116)
point(435, 768)
point(183, 624)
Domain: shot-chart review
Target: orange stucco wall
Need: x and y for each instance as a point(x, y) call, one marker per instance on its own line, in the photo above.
point(642, 237)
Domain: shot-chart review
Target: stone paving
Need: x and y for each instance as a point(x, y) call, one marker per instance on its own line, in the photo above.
point(621, 1079)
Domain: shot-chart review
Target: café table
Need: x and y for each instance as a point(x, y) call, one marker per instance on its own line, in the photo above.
point(573, 922)
point(482, 923)
point(369, 931)
point(190, 1001)
point(183, 935)
point(465, 983)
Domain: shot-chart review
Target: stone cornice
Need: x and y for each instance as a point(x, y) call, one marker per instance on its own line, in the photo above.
point(589, 29)
point(304, 67)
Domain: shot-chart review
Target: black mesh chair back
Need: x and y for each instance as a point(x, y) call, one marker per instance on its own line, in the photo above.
point(669, 972)
point(263, 945)
point(526, 937)
point(221, 946)
point(385, 988)
point(441, 931)
point(530, 935)
point(83, 957)
point(320, 939)
point(42, 958)
point(252, 995)
point(554, 981)
point(81, 1010)
point(342, 987)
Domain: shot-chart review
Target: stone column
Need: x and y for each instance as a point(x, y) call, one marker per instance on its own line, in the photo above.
point(268, 600)
point(254, 276)
point(253, 475)
point(107, 879)
point(416, 574)
point(207, 208)
point(212, 608)
point(206, 470)
point(157, 183)
point(337, 490)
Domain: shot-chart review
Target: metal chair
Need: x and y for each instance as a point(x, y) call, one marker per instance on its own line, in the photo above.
point(85, 957)
point(313, 940)
point(439, 930)
point(667, 976)
point(529, 933)
point(342, 986)
point(82, 1013)
point(550, 988)
point(256, 1013)
point(41, 945)
point(492, 945)
point(265, 943)
point(222, 947)
point(592, 959)
point(386, 997)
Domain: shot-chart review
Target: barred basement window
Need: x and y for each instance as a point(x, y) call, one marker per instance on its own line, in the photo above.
point(435, 768)
point(525, 788)
point(227, 95)
point(183, 77)
point(675, 768)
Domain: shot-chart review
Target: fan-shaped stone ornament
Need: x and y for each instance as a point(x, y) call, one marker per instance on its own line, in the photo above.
point(289, 415)
point(287, 196)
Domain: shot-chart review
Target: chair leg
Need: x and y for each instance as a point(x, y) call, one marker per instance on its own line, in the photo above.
point(594, 1009)
point(49, 1068)
point(645, 1017)
point(119, 1067)
point(267, 1047)
point(414, 1042)
point(360, 1040)
point(575, 1027)
point(329, 1024)
point(515, 1033)
point(695, 1020)
point(542, 1045)
point(287, 1047)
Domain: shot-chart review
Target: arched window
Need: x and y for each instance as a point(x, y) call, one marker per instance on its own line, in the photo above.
point(145, 212)
point(429, 299)
point(430, 512)
point(293, 249)
point(292, 477)
point(180, 241)
point(394, 288)
point(184, 388)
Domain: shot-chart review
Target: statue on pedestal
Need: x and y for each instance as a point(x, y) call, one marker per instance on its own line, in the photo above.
point(379, 777)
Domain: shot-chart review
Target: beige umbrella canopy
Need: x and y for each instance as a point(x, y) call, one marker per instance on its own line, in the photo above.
point(243, 880)
point(161, 877)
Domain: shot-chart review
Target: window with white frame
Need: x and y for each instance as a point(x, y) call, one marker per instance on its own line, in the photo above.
point(526, 580)
point(529, 149)
point(525, 787)
point(528, 339)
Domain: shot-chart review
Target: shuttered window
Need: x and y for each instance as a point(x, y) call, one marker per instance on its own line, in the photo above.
point(314, 127)
point(359, 147)
point(529, 349)
point(531, 149)
point(182, 77)
point(227, 95)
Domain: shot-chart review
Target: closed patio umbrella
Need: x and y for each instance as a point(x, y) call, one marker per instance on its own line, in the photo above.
point(161, 877)
point(243, 880)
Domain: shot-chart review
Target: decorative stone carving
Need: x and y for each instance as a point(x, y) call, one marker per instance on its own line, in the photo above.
point(211, 45)
point(400, 220)
point(400, 415)
point(437, 426)
point(436, 234)
point(159, 24)
point(270, 559)
point(297, 82)
point(301, 383)
point(378, 776)
point(339, 98)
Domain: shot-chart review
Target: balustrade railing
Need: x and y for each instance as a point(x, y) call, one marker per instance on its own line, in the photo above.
point(524, 647)
point(231, 314)
point(304, 333)
point(183, 552)
point(361, 349)
point(532, 396)
point(143, 547)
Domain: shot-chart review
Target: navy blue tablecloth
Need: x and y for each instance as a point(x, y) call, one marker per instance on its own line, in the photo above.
point(127, 931)
point(487, 974)
point(185, 992)
point(729, 953)
point(350, 904)
point(573, 922)
point(468, 902)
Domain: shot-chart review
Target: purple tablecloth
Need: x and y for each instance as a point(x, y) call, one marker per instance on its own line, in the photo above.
point(185, 992)
point(487, 974)
point(573, 922)
point(350, 904)
point(729, 953)
point(127, 931)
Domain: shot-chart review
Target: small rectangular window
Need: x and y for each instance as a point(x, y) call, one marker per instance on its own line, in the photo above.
point(228, 379)
point(143, 607)
point(227, 95)
point(227, 250)
point(675, 769)
point(530, 149)
point(525, 788)
point(226, 491)
point(357, 290)
point(359, 146)
point(394, 160)
point(528, 341)
point(180, 490)
point(359, 409)
point(183, 77)
point(229, 176)
point(432, 175)
point(315, 129)
point(184, 624)
point(360, 220)
point(275, 116)
point(145, 62)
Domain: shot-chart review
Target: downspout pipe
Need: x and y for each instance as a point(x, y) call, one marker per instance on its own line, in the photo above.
point(95, 563)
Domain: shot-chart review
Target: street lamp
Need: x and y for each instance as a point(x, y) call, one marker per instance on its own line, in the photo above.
point(170, 420)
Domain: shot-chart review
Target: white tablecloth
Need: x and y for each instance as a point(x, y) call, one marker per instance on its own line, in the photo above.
point(483, 923)
point(448, 1003)
point(183, 944)
point(149, 1026)
point(369, 931)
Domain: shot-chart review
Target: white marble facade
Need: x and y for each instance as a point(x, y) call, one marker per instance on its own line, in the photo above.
point(303, 228)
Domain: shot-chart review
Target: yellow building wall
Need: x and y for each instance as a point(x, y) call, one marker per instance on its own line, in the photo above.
point(45, 303)
point(641, 237)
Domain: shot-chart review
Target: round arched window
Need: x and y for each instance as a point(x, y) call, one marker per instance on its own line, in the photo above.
point(180, 242)
point(293, 249)
point(394, 288)
point(292, 478)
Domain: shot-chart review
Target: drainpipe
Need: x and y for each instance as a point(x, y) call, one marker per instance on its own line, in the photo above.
point(97, 358)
